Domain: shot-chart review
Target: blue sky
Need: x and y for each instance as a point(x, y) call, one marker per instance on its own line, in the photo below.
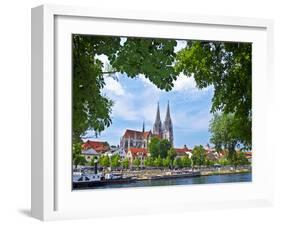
point(135, 101)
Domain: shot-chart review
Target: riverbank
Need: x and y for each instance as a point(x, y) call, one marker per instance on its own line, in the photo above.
point(223, 172)
point(146, 174)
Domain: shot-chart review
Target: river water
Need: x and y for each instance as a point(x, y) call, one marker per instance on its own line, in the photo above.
point(226, 178)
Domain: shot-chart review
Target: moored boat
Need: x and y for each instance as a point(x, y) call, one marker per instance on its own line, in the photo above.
point(87, 180)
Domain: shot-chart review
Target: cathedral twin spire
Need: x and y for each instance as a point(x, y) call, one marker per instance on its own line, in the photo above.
point(165, 131)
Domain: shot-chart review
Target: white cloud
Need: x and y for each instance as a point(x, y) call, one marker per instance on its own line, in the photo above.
point(145, 80)
point(184, 83)
point(123, 108)
point(112, 85)
point(188, 86)
point(135, 107)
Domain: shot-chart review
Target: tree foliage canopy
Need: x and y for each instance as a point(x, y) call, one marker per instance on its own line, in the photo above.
point(88, 81)
point(172, 153)
point(159, 148)
point(227, 67)
point(77, 157)
point(104, 161)
point(198, 155)
point(153, 147)
point(225, 132)
point(151, 57)
point(125, 163)
point(115, 161)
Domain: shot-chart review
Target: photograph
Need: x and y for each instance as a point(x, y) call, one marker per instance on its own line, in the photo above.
point(160, 112)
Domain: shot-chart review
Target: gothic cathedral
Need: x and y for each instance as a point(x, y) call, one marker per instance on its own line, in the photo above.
point(165, 130)
point(141, 139)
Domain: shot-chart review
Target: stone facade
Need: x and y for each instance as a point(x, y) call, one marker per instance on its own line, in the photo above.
point(135, 139)
point(141, 139)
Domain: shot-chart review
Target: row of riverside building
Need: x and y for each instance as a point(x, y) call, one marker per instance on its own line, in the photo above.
point(134, 143)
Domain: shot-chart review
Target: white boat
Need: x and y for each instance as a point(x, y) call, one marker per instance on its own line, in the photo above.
point(87, 180)
point(79, 177)
point(113, 176)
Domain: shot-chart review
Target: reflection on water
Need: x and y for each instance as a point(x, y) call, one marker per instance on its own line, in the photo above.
point(227, 178)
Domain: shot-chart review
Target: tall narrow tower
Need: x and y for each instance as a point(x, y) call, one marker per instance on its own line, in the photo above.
point(168, 126)
point(157, 127)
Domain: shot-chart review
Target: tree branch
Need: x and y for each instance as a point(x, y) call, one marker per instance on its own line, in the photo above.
point(109, 72)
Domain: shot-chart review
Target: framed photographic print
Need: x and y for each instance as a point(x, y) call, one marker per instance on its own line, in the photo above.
point(151, 112)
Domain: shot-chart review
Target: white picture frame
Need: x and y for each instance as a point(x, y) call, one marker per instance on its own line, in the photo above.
point(52, 197)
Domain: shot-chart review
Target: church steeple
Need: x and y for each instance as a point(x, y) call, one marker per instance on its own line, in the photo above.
point(157, 127)
point(143, 127)
point(158, 114)
point(168, 116)
point(168, 126)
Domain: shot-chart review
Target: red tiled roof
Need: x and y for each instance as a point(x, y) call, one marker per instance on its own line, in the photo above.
point(98, 146)
point(132, 133)
point(138, 151)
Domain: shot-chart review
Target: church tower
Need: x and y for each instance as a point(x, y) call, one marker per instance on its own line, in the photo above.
point(157, 127)
point(168, 127)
